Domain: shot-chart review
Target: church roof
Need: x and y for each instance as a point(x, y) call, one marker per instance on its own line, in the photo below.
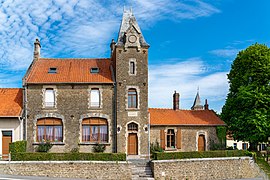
point(184, 117)
point(197, 102)
point(50, 70)
point(127, 21)
point(11, 102)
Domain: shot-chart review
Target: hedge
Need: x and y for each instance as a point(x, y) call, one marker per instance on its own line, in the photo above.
point(204, 154)
point(18, 146)
point(38, 156)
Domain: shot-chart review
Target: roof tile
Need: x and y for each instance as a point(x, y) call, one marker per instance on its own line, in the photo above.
point(11, 102)
point(70, 71)
point(183, 117)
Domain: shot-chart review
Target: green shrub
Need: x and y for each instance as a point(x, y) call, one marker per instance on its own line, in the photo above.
point(204, 154)
point(44, 147)
point(37, 156)
point(155, 147)
point(99, 148)
point(18, 146)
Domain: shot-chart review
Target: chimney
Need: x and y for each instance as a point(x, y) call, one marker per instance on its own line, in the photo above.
point(176, 101)
point(36, 49)
point(206, 105)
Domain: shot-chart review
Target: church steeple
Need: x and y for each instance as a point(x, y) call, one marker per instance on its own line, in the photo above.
point(197, 102)
point(130, 34)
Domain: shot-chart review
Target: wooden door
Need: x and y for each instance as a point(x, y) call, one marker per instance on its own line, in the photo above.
point(6, 139)
point(201, 143)
point(132, 144)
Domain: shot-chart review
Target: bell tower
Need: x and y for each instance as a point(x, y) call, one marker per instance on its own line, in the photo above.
point(130, 62)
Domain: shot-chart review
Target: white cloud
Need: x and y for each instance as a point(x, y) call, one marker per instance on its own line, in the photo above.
point(185, 77)
point(78, 28)
point(225, 52)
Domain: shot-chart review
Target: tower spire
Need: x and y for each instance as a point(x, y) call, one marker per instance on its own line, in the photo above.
point(197, 102)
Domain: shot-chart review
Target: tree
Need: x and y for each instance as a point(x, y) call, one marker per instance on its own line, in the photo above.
point(247, 107)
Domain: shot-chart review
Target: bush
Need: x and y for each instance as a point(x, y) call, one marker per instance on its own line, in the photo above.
point(155, 147)
point(99, 148)
point(44, 147)
point(37, 156)
point(204, 154)
point(18, 146)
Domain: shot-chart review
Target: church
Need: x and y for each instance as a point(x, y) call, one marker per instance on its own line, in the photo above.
point(76, 103)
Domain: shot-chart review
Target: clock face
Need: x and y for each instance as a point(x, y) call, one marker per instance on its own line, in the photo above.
point(132, 38)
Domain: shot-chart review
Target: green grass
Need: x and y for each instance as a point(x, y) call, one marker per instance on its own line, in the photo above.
point(263, 165)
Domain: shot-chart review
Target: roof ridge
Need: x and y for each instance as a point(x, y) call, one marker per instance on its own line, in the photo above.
point(74, 58)
point(11, 88)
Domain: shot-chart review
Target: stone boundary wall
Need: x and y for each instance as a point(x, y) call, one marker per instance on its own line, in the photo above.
point(70, 169)
point(206, 168)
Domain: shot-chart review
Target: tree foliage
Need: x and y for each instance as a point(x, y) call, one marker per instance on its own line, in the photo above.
point(247, 106)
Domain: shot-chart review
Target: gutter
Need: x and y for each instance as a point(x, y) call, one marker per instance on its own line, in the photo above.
point(114, 112)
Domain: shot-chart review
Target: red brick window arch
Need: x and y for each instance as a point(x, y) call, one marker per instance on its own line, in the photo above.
point(49, 129)
point(132, 98)
point(95, 130)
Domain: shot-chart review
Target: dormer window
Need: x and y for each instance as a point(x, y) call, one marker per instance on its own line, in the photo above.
point(94, 70)
point(52, 70)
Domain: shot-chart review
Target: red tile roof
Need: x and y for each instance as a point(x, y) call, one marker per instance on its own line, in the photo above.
point(184, 117)
point(70, 71)
point(11, 100)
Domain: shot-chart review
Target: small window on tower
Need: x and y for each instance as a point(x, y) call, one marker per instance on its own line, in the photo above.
point(94, 70)
point(52, 70)
point(132, 67)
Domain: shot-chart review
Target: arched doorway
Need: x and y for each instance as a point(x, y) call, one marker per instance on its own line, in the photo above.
point(201, 143)
point(132, 139)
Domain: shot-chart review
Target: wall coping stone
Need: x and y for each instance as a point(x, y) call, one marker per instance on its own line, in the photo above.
point(64, 162)
point(202, 159)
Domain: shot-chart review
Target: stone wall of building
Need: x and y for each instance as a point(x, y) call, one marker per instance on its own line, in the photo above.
point(76, 169)
point(138, 81)
point(72, 105)
point(206, 169)
point(189, 136)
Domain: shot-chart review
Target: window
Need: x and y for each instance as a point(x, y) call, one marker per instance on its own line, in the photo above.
point(132, 127)
point(171, 138)
point(49, 99)
point(52, 70)
point(132, 67)
point(95, 98)
point(132, 98)
point(244, 146)
point(94, 70)
point(94, 130)
point(49, 129)
point(234, 145)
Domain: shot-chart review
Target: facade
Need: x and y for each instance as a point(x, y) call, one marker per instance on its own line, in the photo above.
point(11, 123)
point(184, 130)
point(78, 103)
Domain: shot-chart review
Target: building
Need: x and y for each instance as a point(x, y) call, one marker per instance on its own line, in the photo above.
point(11, 123)
point(184, 130)
point(79, 103)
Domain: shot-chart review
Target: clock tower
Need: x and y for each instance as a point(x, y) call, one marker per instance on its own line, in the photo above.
point(130, 62)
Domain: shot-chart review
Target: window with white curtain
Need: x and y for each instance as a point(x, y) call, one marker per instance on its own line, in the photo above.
point(95, 130)
point(49, 97)
point(49, 129)
point(95, 98)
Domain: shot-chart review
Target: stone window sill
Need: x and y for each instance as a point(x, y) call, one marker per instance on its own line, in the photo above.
point(132, 109)
point(171, 149)
point(94, 143)
point(54, 143)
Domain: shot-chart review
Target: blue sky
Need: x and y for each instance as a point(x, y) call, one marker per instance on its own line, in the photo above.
point(193, 42)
